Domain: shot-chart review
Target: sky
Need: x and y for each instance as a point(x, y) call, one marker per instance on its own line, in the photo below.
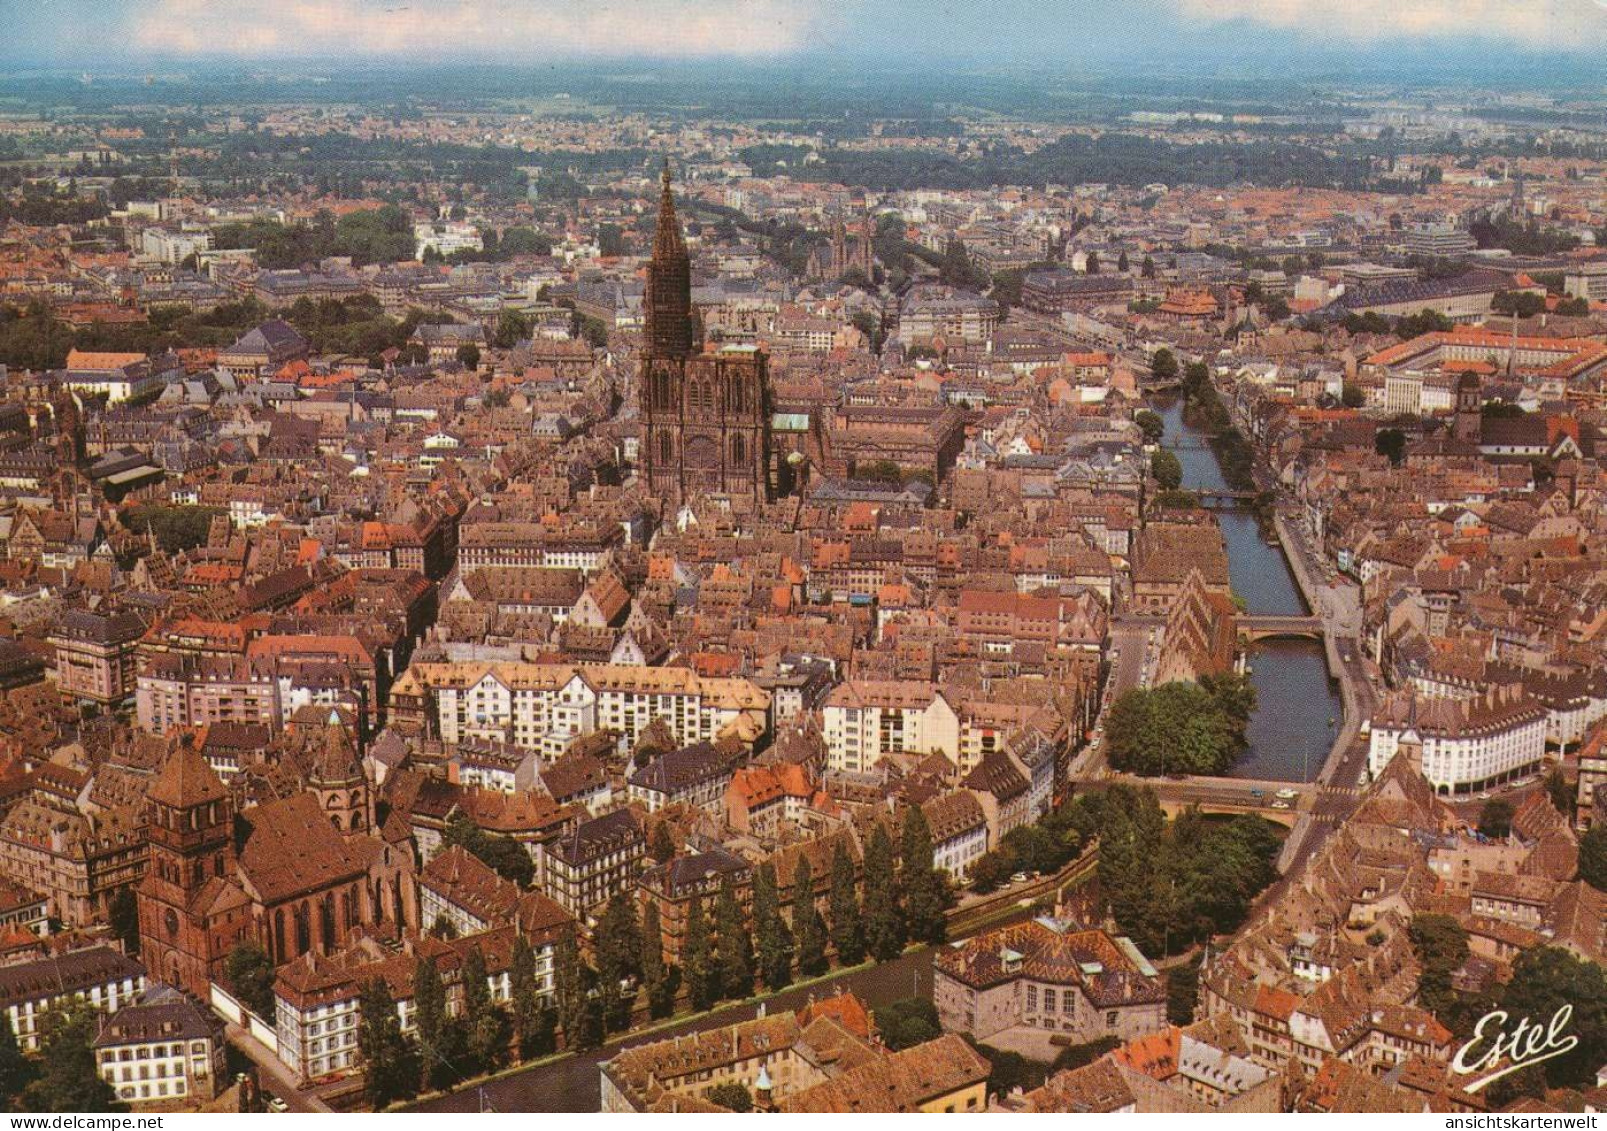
point(100, 33)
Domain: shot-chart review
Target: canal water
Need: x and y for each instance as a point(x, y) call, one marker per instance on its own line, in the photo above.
point(1297, 705)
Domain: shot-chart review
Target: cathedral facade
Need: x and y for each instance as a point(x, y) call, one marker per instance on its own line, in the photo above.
point(705, 415)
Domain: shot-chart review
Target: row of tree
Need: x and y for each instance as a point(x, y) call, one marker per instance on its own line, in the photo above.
point(726, 953)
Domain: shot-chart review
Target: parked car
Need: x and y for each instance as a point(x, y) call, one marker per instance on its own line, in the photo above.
point(274, 1102)
point(1019, 878)
point(1287, 794)
point(1280, 805)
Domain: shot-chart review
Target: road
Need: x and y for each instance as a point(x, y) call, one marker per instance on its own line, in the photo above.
point(573, 1084)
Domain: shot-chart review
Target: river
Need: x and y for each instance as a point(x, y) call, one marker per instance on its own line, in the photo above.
point(1298, 706)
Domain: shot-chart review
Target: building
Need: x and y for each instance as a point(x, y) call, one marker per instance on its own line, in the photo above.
point(695, 776)
point(285, 877)
point(1462, 746)
point(1050, 976)
point(105, 978)
point(166, 1048)
point(775, 1058)
point(77, 861)
point(263, 350)
point(583, 868)
point(1439, 241)
point(545, 707)
point(705, 416)
point(95, 655)
point(460, 889)
point(867, 720)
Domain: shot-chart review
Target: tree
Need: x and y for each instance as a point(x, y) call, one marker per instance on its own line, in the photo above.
point(1560, 792)
point(1167, 469)
point(524, 998)
point(847, 922)
point(512, 328)
point(16, 1070)
point(1175, 728)
point(731, 1095)
point(658, 977)
point(504, 855)
point(390, 1072)
point(249, 973)
point(924, 888)
point(619, 958)
point(1163, 366)
point(1150, 424)
point(1441, 946)
point(662, 846)
point(1391, 442)
point(569, 987)
point(1495, 819)
point(1351, 395)
point(1593, 856)
point(610, 240)
point(1122, 263)
point(911, 1021)
point(429, 1015)
point(733, 945)
point(697, 959)
point(1147, 270)
point(807, 925)
point(67, 1078)
point(884, 915)
point(1091, 263)
point(469, 356)
point(1543, 980)
point(771, 933)
point(123, 914)
point(488, 1024)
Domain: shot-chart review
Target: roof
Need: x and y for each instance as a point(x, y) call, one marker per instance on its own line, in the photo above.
point(186, 780)
point(901, 1082)
point(74, 972)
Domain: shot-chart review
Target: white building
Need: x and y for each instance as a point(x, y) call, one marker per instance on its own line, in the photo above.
point(446, 237)
point(169, 1047)
point(866, 720)
point(105, 978)
point(543, 707)
point(1461, 746)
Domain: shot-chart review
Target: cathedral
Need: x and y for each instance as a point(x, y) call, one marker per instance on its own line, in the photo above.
point(705, 414)
point(829, 262)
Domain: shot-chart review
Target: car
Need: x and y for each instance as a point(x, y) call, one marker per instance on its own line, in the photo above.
point(1287, 794)
point(1256, 793)
point(274, 1102)
point(1019, 878)
point(1280, 804)
point(1485, 796)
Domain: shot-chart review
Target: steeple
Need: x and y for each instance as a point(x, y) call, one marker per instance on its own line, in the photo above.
point(669, 283)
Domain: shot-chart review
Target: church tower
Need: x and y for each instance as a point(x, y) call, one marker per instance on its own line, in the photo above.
point(705, 416)
point(338, 779)
point(1469, 422)
point(189, 875)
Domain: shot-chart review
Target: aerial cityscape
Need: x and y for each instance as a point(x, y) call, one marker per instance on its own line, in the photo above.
point(762, 557)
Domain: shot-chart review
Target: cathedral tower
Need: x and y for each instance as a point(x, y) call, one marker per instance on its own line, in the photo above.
point(704, 415)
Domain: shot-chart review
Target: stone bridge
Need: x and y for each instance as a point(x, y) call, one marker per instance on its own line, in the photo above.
point(1264, 626)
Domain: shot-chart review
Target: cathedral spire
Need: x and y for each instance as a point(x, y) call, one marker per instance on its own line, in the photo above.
point(669, 283)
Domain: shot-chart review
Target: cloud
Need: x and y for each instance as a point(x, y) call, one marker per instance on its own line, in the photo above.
point(499, 29)
point(1547, 24)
